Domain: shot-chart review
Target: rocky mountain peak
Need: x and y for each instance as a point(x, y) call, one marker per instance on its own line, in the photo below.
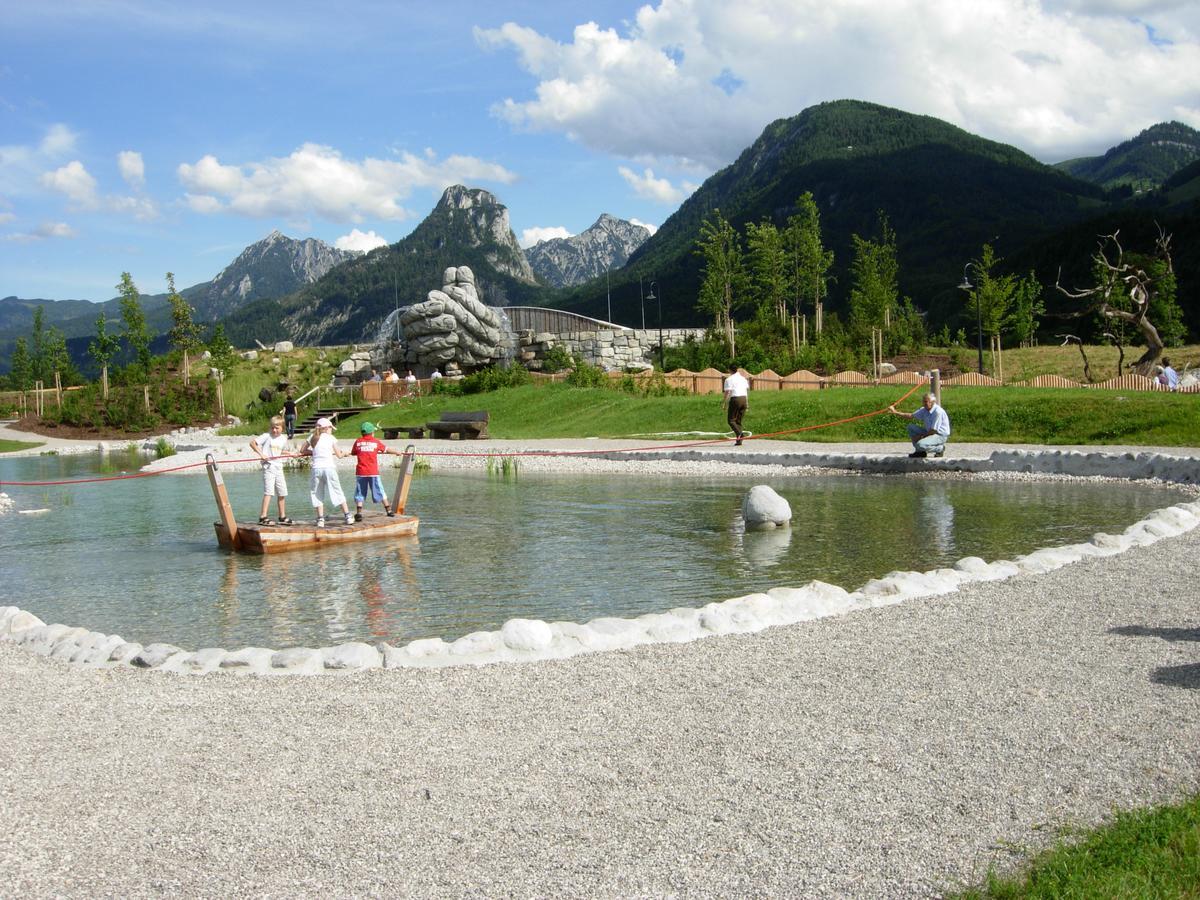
point(606, 245)
point(483, 222)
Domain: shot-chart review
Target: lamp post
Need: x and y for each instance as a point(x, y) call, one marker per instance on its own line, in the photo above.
point(642, 301)
point(661, 352)
point(967, 286)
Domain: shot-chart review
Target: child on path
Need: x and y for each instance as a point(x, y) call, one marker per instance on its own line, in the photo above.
point(367, 483)
point(271, 448)
point(323, 448)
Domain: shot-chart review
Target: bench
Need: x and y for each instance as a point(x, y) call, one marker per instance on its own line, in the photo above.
point(392, 432)
point(463, 425)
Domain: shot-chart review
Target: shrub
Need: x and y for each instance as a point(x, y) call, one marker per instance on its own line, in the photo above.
point(585, 375)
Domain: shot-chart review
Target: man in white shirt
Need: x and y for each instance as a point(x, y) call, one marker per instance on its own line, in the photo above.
point(736, 401)
point(930, 429)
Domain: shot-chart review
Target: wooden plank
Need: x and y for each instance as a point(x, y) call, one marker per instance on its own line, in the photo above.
point(227, 532)
point(403, 480)
point(285, 538)
point(480, 416)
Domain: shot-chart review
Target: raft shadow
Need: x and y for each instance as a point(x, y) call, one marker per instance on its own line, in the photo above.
point(1187, 676)
point(1167, 634)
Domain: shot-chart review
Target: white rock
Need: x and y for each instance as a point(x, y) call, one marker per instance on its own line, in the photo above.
point(526, 634)
point(248, 659)
point(155, 655)
point(762, 507)
point(298, 660)
point(283, 347)
point(351, 655)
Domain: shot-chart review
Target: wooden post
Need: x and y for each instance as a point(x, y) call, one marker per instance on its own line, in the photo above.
point(229, 538)
point(146, 396)
point(400, 497)
point(935, 385)
point(220, 401)
point(39, 386)
point(58, 389)
point(804, 329)
point(186, 368)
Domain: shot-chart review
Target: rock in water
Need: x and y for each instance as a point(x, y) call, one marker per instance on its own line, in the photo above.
point(763, 508)
point(453, 325)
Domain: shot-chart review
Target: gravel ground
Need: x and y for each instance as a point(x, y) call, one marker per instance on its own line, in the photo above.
point(893, 752)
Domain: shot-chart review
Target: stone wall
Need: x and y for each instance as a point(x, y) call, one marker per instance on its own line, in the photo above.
point(607, 348)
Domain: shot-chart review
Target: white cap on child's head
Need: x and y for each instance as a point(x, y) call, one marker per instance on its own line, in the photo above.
point(324, 423)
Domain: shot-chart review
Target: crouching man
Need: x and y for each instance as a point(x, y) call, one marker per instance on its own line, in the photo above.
point(929, 430)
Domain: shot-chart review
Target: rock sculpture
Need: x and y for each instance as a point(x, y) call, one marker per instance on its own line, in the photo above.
point(763, 508)
point(453, 325)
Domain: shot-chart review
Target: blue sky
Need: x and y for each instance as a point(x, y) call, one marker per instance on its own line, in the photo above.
point(148, 137)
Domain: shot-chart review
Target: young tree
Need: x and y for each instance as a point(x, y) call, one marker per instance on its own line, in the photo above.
point(1127, 292)
point(725, 282)
point(809, 260)
point(136, 333)
point(218, 345)
point(1027, 309)
point(768, 268)
point(873, 273)
point(102, 349)
point(21, 375)
point(184, 334)
point(991, 299)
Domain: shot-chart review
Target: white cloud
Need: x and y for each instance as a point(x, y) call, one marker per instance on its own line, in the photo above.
point(75, 182)
point(20, 164)
point(364, 242)
point(318, 180)
point(133, 169)
point(646, 225)
point(660, 190)
point(698, 80)
point(537, 234)
point(43, 232)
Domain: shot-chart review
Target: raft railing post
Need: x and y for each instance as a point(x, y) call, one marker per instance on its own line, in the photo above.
point(400, 497)
point(224, 509)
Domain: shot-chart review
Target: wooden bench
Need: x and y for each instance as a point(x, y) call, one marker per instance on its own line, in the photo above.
point(392, 432)
point(463, 425)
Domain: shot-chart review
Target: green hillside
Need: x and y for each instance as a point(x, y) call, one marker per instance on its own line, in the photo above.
point(1141, 163)
point(945, 191)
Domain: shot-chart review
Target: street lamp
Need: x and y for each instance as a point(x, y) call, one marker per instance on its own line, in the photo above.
point(661, 352)
point(967, 286)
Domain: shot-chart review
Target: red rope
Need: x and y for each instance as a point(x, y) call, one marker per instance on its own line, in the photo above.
point(643, 449)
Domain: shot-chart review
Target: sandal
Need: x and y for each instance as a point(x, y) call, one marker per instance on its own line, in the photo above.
point(286, 521)
point(263, 520)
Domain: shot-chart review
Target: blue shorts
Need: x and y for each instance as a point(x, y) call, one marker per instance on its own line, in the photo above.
point(368, 486)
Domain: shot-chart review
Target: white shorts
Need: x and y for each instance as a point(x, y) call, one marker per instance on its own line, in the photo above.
point(326, 479)
point(274, 484)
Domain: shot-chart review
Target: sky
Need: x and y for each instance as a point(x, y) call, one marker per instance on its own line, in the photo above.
point(152, 136)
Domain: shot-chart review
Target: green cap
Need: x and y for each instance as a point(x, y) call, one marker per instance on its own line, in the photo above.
point(366, 427)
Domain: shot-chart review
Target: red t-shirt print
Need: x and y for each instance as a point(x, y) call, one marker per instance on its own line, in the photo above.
point(367, 450)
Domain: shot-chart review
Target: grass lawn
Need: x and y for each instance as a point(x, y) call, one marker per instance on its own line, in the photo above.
point(1003, 415)
point(10, 446)
point(1143, 853)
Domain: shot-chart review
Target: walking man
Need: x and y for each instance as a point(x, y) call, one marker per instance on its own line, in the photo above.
point(929, 430)
point(736, 401)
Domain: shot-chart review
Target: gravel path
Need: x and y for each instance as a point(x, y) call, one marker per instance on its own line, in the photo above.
point(893, 752)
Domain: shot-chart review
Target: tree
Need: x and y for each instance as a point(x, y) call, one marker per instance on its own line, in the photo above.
point(1126, 292)
point(725, 282)
point(768, 268)
point(220, 348)
point(21, 375)
point(1027, 308)
point(991, 298)
point(102, 349)
point(136, 333)
point(809, 260)
point(184, 334)
point(873, 274)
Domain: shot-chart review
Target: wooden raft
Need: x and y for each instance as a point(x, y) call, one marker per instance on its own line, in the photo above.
point(250, 537)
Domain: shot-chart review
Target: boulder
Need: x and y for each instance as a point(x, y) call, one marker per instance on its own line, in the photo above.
point(763, 508)
point(283, 347)
point(453, 325)
point(250, 355)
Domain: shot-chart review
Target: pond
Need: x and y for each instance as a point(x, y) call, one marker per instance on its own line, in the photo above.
point(139, 557)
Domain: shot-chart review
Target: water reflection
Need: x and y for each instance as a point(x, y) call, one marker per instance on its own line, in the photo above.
point(546, 547)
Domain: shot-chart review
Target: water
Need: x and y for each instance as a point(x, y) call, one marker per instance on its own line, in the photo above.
point(139, 558)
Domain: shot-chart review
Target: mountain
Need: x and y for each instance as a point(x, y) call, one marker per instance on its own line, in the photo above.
point(353, 301)
point(944, 190)
point(274, 266)
point(562, 262)
point(1141, 163)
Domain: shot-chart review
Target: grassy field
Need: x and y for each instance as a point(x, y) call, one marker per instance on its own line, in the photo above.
point(1003, 415)
point(10, 446)
point(1029, 362)
point(1143, 853)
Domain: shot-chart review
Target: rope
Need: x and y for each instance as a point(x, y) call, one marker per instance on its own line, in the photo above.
point(491, 455)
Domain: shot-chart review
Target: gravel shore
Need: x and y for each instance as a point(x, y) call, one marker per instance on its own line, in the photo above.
point(891, 752)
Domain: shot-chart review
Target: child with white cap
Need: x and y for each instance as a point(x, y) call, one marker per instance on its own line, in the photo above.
point(323, 448)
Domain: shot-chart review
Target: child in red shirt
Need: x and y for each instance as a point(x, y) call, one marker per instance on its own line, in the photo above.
point(366, 482)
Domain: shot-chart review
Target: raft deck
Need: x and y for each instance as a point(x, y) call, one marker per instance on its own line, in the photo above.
point(255, 538)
